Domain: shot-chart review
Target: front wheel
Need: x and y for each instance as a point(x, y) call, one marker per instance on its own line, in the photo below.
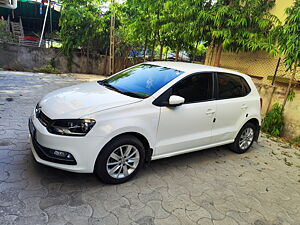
point(120, 160)
point(244, 139)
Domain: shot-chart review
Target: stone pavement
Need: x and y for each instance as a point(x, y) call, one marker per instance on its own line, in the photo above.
point(214, 186)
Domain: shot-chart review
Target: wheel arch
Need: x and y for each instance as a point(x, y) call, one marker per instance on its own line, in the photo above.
point(254, 121)
point(145, 142)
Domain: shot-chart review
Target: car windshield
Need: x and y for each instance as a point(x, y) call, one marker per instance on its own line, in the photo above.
point(141, 81)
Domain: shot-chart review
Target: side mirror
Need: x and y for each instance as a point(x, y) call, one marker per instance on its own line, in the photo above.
point(176, 100)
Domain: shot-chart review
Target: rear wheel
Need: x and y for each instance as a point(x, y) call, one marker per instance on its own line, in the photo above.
point(244, 139)
point(120, 160)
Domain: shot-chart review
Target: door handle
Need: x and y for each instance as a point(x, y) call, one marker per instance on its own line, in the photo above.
point(210, 111)
point(244, 107)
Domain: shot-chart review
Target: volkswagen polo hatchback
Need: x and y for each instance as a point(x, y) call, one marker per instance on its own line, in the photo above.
point(149, 111)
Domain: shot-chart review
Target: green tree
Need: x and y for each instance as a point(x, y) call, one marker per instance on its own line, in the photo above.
point(186, 24)
point(134, 30)
point(289, 43)
point(83, 26)
point(232, 25)
point(171, 24)
point(242, 25)
point(139, 23)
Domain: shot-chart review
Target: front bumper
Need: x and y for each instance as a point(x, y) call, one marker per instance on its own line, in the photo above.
point(84, 149)
point(45, 154)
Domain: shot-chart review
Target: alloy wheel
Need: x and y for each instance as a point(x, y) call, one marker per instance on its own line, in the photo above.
point(246, 138)
point(123, 161)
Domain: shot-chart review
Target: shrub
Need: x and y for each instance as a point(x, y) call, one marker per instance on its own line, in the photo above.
point(48, 69)
point(5, 35)
point(273, 122)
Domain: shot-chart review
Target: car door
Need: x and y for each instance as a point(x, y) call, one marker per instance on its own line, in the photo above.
point(231, 106)
point(189, 125)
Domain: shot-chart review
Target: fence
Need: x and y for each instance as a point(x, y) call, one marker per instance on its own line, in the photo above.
point(259, 65)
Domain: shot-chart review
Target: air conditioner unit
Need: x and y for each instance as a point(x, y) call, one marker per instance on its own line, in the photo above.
point(10, 4)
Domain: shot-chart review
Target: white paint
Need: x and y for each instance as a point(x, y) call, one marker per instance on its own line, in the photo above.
point(169, 130)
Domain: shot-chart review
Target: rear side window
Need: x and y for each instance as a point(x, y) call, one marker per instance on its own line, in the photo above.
point(232, 86)
point(246, 88)
point(194, 88)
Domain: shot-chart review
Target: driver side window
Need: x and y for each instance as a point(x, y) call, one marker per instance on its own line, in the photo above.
point(195, 88)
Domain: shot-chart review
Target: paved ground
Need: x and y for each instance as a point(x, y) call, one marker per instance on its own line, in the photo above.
point(214, 186)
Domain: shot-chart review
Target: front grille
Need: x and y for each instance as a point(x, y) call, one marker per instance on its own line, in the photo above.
point(45, 120)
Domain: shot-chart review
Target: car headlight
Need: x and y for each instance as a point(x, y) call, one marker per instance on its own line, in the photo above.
point(71, 127)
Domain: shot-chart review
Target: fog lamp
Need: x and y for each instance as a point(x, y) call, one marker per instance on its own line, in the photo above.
point(60, 153)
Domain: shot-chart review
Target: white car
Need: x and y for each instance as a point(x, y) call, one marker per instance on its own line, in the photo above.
point(149, 111)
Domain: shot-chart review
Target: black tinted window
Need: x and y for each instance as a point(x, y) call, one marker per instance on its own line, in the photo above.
point(232, 86)
point(246, 88)
point(194, 88)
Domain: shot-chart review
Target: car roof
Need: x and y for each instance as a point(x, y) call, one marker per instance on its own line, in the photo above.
point(192, 67)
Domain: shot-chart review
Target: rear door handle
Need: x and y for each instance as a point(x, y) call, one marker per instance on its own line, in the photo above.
point(244, 107)
point(210, 111)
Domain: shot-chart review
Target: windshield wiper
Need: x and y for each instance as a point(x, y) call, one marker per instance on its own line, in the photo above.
point(101, 82)
point(132, 94)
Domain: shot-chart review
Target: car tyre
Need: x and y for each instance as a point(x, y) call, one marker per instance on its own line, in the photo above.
point(244, 139)
point(120, 160)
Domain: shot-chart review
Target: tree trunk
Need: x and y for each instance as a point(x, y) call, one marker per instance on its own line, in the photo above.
point(161, 51)
point(218, 56)
point(290, 85)
point(194, 52)
point(210, 53)
point(177, 53)
point(152, 53)
point(88, 61)
point(145, 49)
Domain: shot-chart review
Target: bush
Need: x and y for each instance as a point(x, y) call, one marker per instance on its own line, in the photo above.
point(48, 69)
point(273, 122)
point(5, 35)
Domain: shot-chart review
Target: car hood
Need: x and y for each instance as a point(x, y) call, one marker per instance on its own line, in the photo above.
point(83, 99)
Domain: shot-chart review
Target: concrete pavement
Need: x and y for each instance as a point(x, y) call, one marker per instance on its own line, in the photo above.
point(209, 187)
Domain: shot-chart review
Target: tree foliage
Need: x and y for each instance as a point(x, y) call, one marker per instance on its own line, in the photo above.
point(289, 43)
point(234, 25)
point(289, 36)
point(83, 25)
point(179, 25)
point(243, 25)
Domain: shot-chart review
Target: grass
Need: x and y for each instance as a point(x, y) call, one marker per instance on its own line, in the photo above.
point(295, 141)
point(47, 69)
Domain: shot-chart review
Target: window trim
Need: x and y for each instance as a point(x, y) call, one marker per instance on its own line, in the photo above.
point(162, 100)
point(217, 85)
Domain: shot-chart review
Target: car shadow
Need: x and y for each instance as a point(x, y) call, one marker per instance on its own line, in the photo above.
point(210, 156)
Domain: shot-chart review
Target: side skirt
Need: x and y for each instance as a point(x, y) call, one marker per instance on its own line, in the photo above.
point(191, 150)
